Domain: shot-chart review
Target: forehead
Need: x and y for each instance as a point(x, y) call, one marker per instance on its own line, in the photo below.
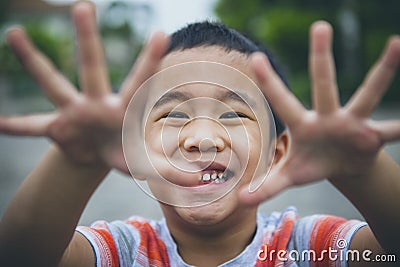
point(216, 79)
point(217, 54)
point(204, 91)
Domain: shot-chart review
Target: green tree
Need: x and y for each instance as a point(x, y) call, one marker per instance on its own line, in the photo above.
point(121, 42)
point(121, 39)
point(57, 47)
point(361, 29)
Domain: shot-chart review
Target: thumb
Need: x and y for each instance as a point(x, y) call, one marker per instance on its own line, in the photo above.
point(275, 183)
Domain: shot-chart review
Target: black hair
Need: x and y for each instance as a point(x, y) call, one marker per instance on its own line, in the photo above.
point(208, 33)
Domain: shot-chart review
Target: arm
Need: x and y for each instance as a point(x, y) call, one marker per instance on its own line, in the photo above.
point(38, 226)
point(42, 216)
point(376, 195)
point(337, 143)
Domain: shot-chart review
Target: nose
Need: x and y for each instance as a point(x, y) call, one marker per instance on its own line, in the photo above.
point(202, 135)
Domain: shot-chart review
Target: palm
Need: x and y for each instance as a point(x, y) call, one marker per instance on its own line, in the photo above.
point(87, 125)
point(330, 141)
point(89, 129)
point(324, 146)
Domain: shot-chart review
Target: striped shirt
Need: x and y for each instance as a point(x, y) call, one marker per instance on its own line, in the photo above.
point(281, 239)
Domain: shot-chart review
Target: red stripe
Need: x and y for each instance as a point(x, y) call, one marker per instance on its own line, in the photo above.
point(321, 237)
point(156, 250)
point(111, 245)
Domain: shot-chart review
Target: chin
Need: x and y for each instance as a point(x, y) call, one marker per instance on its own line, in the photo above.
point(207, 215)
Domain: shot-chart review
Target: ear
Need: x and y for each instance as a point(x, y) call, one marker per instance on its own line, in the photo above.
point(282, 147)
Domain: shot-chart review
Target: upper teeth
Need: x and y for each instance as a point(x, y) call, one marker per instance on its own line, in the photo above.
point(206, 177)
point(217, 177)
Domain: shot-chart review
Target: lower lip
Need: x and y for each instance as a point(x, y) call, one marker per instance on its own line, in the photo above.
point(211, 185)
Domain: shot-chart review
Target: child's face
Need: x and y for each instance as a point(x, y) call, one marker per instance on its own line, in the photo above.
point(205, 137)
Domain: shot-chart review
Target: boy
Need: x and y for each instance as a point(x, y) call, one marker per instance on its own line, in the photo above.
point(329, 142)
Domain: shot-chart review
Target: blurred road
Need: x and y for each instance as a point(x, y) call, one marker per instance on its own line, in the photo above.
point(119, 196)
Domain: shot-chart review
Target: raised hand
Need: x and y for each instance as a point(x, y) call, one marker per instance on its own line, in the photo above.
point(330, 141)
point(87, 125)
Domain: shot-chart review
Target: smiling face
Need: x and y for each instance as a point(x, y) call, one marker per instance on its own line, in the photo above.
point(205, 137)
point(199, 125)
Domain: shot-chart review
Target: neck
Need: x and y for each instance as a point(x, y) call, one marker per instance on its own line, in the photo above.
point(214, 244)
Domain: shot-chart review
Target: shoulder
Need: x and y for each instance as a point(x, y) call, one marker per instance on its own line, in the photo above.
point(277, 225)
point(320, 232)
point(287, 231)
point(129, 232)
point(277, 220)
point(125, 241)
point(314, 226)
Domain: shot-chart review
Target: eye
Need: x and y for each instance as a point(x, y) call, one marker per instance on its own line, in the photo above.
point(233, 115)
point(175, 115)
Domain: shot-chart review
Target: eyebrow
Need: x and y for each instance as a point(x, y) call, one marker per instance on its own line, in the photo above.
point(176, 96)
point(239, 97)
point(171, 97)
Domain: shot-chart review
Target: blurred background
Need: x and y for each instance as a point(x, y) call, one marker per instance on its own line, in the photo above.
point(361, 29)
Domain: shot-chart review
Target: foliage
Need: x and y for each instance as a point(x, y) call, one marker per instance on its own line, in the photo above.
point(60, 46)
point(120, 32)
point(56, 47)
point(283, 27)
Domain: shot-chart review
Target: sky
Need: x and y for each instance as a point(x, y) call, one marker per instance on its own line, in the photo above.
point(169, 15)
point(173, 14)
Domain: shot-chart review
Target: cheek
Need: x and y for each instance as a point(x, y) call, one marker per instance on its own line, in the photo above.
point(256, 142)
point(255, 154)
point(162, 140)
point(248, 148)
point(246, 142)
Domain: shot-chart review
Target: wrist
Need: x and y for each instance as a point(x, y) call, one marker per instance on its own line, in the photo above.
point(94, 167)
point(363, 175)
point(63, 170)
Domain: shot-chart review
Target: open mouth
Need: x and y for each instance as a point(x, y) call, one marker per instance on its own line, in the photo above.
point(215, 177)
point(215, 173)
